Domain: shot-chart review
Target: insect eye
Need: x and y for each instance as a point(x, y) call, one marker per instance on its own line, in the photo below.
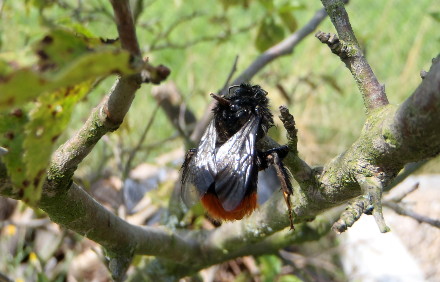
point(234, 107)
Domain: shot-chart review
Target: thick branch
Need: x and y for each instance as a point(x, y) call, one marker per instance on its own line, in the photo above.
point(391, 138)
point(76, 210)
point(106, 117)
point(372, 91)
point(160, 268)
point(416, 123)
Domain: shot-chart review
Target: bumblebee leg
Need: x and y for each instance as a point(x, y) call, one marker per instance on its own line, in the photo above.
point(191, 152)
point(188, 157)
point(282, 151)
point(284, 177)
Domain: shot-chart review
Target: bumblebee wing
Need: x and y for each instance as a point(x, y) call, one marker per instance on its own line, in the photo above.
point(236, 168)
point(199, 171)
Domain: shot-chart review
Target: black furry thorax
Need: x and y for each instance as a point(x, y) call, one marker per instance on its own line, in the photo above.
point(244, 101)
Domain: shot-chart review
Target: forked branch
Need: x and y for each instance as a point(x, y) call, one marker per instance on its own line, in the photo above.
point(350, 52)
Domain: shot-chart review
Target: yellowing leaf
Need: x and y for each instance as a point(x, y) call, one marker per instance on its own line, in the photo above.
point(64, 74)
point(65, 60)
point(46, 123)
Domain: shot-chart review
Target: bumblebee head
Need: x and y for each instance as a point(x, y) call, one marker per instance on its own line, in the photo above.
point(246, 90)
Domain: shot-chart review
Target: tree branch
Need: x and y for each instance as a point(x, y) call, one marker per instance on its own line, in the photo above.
point(127, 34)
point(301, 171)
point(283, 48)
point(160, 268)
point(350, 52)
point(399, 209)
point(372, 188)
point(352, 213)
point(125, 25)
point(132, 154)
point(394, 202)
point(388, 141)
point(416, 121)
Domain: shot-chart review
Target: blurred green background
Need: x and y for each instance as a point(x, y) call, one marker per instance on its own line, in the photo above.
point(199, 41)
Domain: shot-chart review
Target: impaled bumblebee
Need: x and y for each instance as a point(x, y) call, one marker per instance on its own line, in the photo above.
point(222, 171)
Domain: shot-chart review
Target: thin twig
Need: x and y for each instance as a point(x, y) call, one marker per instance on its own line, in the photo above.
point(402, 193)
point(407, 171)
point(372, 187)
point(393, 202)
point(127, 35)
point(300, 170)
point(283, 48)
point(284, 93)
point(180, 116)
point(231, 73)
point(352, 214)
point(208, 38)
point(140, 142)
point(372, 91)
point(399, 209)
point(125, 25)
point(166, 33)
point(31, 223)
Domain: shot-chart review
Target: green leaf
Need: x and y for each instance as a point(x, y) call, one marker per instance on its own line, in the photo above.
point(65, 60)
point(12, 135)
point(40, 4)
point(70, 24)
point(46, 123)
point(288, 19)
point(270, 266)
point(66, 71)
point(41, 277)
point(291, 6)
point(289, 278)
point(269, 33)
point(230, 3)
point(435, 16)
point(267, 4)
point(29, 134)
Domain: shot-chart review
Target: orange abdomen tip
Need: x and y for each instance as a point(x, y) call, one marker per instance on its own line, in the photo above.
point(215, 209)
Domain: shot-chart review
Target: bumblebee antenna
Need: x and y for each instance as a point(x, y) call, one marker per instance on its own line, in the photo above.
point(221, 100)
point(231, 87)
